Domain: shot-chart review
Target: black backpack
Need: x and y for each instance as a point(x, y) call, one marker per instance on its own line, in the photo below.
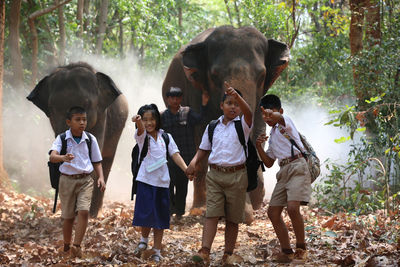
point(54, 168)
point(252, 161)
point(136, 161)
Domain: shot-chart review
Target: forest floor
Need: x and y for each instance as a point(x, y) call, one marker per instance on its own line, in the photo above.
point(30, 235)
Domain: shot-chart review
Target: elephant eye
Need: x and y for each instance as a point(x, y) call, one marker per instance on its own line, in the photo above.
point(215, 77)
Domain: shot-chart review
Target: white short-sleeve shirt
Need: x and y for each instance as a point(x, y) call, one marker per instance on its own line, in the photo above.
point(156, 153)
point(226, 148)
point(279, 147)
point(81, 162)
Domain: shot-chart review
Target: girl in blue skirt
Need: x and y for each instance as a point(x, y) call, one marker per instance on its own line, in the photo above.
point(152, 194)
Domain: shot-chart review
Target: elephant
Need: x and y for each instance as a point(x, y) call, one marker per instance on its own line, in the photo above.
point(78, 84)
point(244, 58)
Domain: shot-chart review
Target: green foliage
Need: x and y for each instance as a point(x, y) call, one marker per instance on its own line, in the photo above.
point(338, 193)
point(374, 159)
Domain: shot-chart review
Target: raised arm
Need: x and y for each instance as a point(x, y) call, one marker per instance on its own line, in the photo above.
point(139, 124)
point(244, 107)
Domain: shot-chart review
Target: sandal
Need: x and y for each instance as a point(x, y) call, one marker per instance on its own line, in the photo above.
point(142, 246)
point(156, 258)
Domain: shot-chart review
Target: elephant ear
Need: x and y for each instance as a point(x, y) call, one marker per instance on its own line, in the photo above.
point(277, 59)
point(40, 96)
point(108, 91)
point(194, 59)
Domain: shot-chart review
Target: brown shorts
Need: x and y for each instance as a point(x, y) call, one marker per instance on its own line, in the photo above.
point(293, 184)
point(226, 194)
point(75, 194)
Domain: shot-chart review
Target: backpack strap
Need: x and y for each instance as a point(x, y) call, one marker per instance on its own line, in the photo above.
point(166, 140)
point(240, 133)
point(211, 128)
point(143, 153)
point(62, 152)
point(291, 140)
point(89, 144)
point(63, 144)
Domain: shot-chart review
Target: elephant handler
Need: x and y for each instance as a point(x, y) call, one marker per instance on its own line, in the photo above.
point(180, 122)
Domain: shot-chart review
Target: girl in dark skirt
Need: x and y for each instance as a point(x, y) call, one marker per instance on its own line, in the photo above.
point(152, 194)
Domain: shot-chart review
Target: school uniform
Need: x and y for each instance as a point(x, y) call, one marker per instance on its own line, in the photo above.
point(152, 197)
point(182, 127)
point(76, 182)
point(226, 182)
point(293, 178)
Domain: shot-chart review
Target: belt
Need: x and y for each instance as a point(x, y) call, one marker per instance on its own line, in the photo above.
point(229, 168)
point(76, 176)
point(288, 160)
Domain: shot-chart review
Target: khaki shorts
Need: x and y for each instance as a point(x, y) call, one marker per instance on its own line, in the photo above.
point(293, 184)
point(75, 194)
point(226, 194)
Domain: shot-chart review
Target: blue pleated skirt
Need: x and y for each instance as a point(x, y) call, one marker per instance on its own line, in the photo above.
point(151, 206)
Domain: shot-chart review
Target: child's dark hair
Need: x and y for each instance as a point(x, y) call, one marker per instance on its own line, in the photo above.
point(75, 110)
point(225, 95)
point(154, 112)
point(270, 102)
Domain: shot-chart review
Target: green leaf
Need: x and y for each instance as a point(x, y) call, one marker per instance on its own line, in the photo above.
point(342, 139)
point(361, 129)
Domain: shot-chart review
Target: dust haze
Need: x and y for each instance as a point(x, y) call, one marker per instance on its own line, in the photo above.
point(28, 134)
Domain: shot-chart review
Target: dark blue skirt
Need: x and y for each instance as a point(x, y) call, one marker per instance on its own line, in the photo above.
point(151, 206)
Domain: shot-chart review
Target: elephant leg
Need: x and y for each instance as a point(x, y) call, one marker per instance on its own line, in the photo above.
point(117, 114)
point(199, 186)
point(97, 197)
point(254, 199)
point(248, 211)
point(257, 195)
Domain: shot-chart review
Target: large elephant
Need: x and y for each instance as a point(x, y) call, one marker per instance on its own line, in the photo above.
point(78, 84)
point(244, 58)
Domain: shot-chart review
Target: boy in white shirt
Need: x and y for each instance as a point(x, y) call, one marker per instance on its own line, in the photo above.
point(76, 182)
point(293, 187)
point(226, 182)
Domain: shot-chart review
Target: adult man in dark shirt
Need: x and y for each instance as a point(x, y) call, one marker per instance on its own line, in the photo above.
point(180, 122)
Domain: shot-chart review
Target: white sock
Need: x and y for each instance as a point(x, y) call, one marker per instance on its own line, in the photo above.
point(157, 251)
point(144, 240)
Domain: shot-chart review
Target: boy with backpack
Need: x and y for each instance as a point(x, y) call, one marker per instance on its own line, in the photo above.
point(76, 182)
point(293, 187)
point(227, 181)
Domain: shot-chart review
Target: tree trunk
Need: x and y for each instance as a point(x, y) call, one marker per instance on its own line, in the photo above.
point(102, 25)
point(356, 40)
point(61, 25)
point(373, 25)
point(31, 22)
point(296, 26)
point(237, 13)
point(79, 18)
point(121, 38)
point(229, 12)
point(17, 79)
point(3, 175)
point(86, 6)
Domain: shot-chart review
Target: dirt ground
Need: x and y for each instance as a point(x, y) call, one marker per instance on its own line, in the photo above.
point(30, 235)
